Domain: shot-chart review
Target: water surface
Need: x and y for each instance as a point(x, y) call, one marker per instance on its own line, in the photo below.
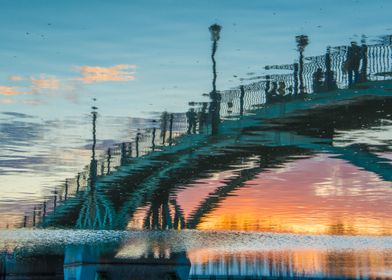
point(195, 140)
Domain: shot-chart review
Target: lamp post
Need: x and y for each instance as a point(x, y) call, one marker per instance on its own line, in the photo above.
point(215, 36)
point(302, 42)
point(214, 95)
point(93, 163)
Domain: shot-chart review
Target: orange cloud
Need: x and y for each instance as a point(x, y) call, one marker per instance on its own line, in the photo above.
point(9, 91)
point(50, 83)
point(121, 72)
point(15, 78)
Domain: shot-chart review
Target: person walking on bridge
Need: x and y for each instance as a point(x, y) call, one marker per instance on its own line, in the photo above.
point(192, 119)
point(352, 62)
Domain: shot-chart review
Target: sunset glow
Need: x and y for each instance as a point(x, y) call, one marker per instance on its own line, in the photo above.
point(336, 198)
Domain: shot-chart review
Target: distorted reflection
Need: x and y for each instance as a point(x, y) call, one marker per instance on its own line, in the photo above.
point(288, 176)
point(190, 255)
point(96, 211)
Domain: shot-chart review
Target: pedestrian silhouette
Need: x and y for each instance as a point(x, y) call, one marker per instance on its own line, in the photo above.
point(364, 65)
point(351, 65)
point(272, 93)
point(202, 117)
point(282, 89)
point(192, 119)
point(329, 80)
point(318, 78)
point(164, 123)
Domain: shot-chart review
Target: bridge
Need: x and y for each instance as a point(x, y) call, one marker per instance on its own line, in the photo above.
point(277, 118)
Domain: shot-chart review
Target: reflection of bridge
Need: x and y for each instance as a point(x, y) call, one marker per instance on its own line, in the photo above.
point(259, 119)
point(280, 144)
point(274, 140)
point(248, 129)
point(275, 134)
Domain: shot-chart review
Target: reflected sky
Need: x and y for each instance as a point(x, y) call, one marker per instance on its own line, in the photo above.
point(59, 55)
point(37, 155)
point(335, 198)
point(303, 263)
point(108, 121)
point(135, 58)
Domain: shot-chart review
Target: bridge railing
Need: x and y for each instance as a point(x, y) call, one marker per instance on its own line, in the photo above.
point(378, 67)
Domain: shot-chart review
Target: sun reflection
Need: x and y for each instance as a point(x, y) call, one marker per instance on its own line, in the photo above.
point(336, 199)
point(365, 263)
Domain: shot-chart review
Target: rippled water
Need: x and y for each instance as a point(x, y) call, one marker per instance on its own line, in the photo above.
point(198, 254)
point(197, 140)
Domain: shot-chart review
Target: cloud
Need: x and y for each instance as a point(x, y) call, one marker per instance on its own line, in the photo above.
point(16, 78)
point(53, 85)
point(6, 101)
point(43, 82)
point(10, 91)
point(121, 72)
point(50, 83)
point(34, 102)
point(17, 138)
point(17, 115)
point(36, 85)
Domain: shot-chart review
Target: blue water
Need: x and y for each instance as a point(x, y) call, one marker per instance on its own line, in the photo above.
point(137, 143)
